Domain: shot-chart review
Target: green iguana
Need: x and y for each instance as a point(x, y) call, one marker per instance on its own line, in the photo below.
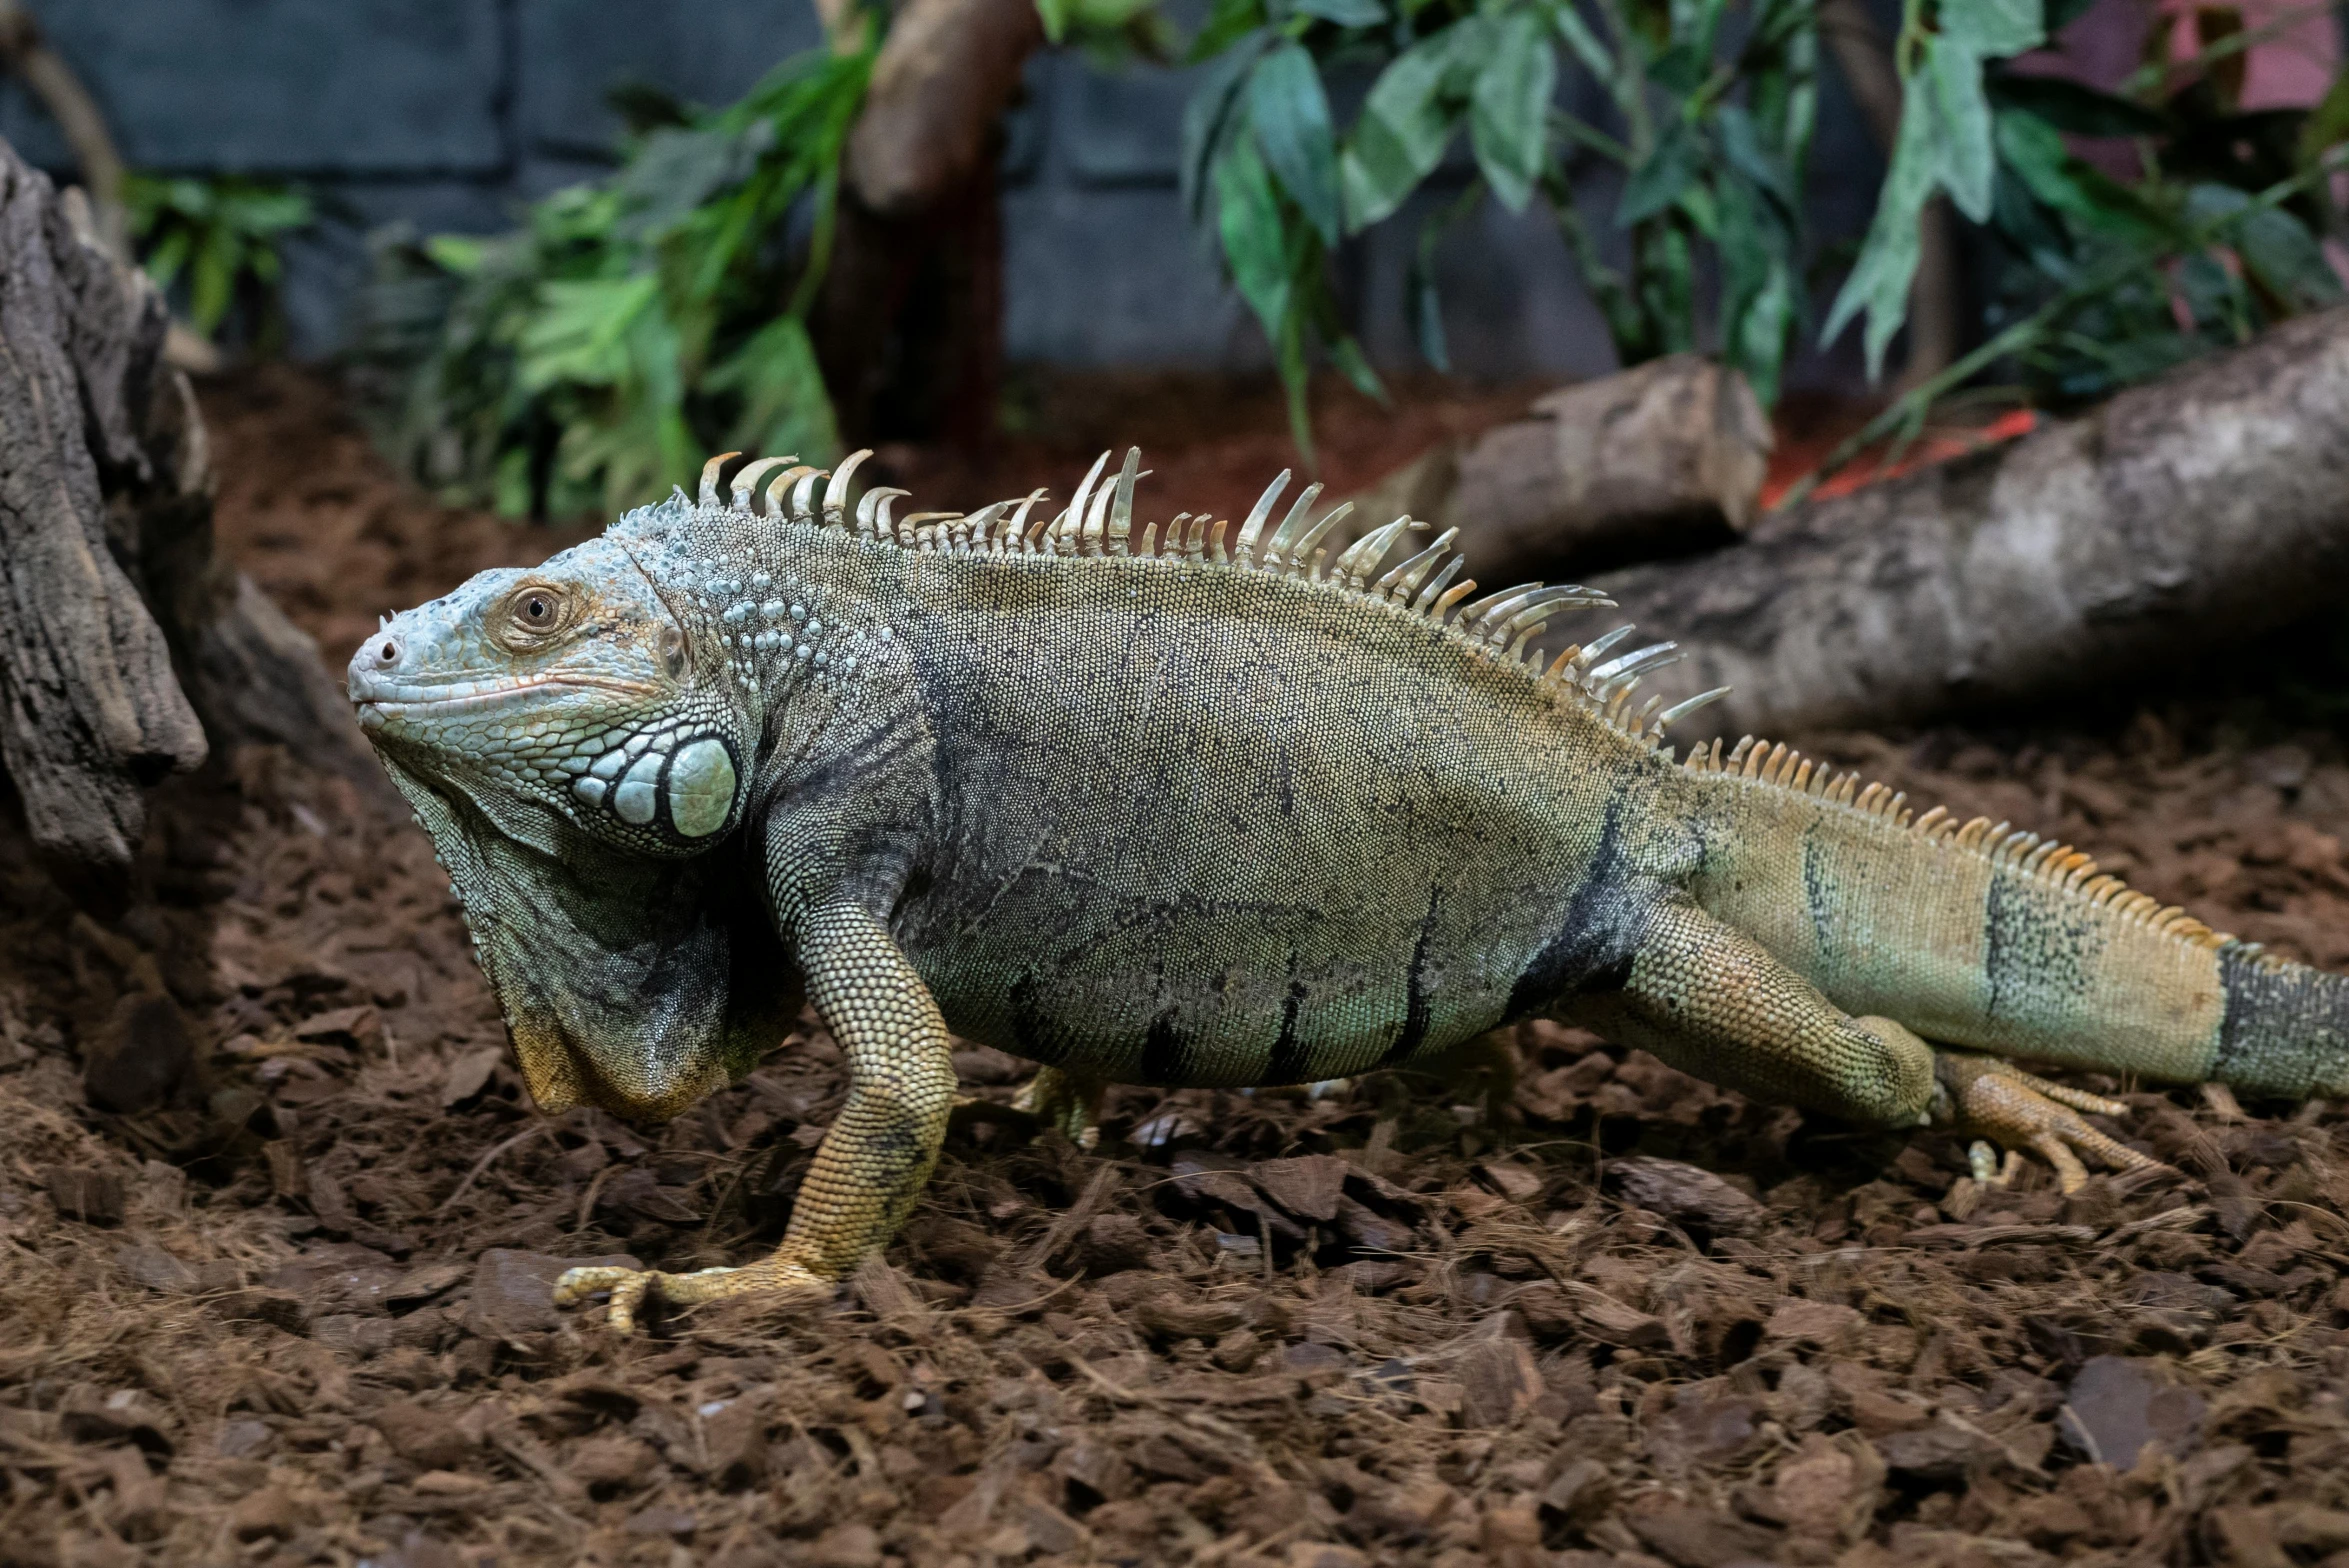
point(1144, 808)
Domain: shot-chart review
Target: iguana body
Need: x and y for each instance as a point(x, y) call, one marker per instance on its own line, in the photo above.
point(1179, 814)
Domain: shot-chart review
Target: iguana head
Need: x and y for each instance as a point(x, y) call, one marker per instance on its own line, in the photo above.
point(576, 750)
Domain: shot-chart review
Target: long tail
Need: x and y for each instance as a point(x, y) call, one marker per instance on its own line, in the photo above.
point(1977, 935)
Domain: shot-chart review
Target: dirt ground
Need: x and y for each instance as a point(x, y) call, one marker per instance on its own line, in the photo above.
point(298, 1312)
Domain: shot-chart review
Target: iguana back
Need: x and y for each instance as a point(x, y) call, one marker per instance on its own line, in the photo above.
point(1202, 825)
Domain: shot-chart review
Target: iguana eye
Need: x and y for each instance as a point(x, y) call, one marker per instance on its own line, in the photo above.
point(536, 609)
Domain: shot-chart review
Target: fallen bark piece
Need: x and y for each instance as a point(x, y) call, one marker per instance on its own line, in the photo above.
point(93, 1197)
point(1685, 1194)
point(1660, 460)
point(2211, 504)
point(1498, 1382)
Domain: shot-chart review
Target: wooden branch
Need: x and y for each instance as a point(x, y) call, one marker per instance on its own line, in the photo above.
point(2208, 505)
point(89, 708)
point(1660, 460)
point(946, 73)
point(26, 52)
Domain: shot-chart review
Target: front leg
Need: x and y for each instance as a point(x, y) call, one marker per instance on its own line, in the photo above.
point(871, 1166)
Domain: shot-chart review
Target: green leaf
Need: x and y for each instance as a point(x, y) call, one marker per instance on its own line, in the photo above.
point(1659, 182)
point(1406, 122)
point(2327, 125)
point(1679, 70)
point(169, 255)
point(2034, 150)
point(2069, 106)
point(1346, 13)
point(212, 280)
point(1509, 111)
point(1056, 17)
point(675, 171)
point(1741, 146)
point(1757, 294)
point(1347, 355)
point(2276, 247)
point(1228, 21)
point(784, 405)
point(1249, 218)
point(579, 332)
point(1580, 39)
point(1949, 84)
point(1207, 119)
point(1993, 28)
point(1879, 281)
point(1291, 116)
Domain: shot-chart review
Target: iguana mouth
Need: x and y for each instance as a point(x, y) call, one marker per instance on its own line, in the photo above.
point(378, 701)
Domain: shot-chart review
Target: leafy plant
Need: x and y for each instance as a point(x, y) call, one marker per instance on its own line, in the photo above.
point(588, 360)
point(1710, 109)
point(220, 233)
point(2104, 282)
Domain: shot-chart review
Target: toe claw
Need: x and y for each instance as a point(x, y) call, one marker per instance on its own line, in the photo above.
point(1997, 1101)
point(630, 1287)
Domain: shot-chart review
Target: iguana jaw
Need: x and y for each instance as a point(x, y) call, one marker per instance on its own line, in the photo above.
point(639, 989)
point(574, 763)
point(383, 702)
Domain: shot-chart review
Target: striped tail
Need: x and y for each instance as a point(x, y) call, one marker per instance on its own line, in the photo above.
point(1976, 935)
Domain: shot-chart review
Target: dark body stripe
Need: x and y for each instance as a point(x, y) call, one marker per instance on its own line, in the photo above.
point(1592, 948)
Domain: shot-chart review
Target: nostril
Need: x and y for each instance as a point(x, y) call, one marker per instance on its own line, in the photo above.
point(388, 651)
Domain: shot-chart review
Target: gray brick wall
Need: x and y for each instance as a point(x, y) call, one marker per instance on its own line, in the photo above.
point(445, 114)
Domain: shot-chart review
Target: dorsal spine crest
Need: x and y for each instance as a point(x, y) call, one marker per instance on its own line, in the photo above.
point(2006, 848)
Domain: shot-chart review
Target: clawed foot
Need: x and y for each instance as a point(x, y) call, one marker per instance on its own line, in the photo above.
point(1063, 1100)
point(1997, 1101)
point(630, 1286)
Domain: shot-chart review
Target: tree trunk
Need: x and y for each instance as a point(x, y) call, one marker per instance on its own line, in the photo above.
point(2209, 505)
point(910, 328)
point(106, 561)
point(1661, 460)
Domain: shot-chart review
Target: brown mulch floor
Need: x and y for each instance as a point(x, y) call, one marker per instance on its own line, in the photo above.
point(298, 1313)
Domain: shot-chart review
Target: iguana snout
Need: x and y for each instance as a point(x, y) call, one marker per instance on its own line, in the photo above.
point(569, 691)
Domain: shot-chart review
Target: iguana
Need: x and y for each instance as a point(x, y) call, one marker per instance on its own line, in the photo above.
point(1152, 805)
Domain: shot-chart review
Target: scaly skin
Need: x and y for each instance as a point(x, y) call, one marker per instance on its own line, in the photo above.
point(1204, 815)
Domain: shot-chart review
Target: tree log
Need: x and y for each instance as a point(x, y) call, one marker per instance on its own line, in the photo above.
point(1660, 460)
point(909, 328)
point(2212, 503)
point(945, 74)
point(106, 563)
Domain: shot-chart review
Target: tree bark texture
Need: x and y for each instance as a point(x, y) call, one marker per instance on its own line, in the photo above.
point(946, 73)
point(2214, 502)
point(1660, 460)
point(909, 330)
point(106, 563)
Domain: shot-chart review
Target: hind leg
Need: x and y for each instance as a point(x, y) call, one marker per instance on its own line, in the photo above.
point(1713, 1002)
